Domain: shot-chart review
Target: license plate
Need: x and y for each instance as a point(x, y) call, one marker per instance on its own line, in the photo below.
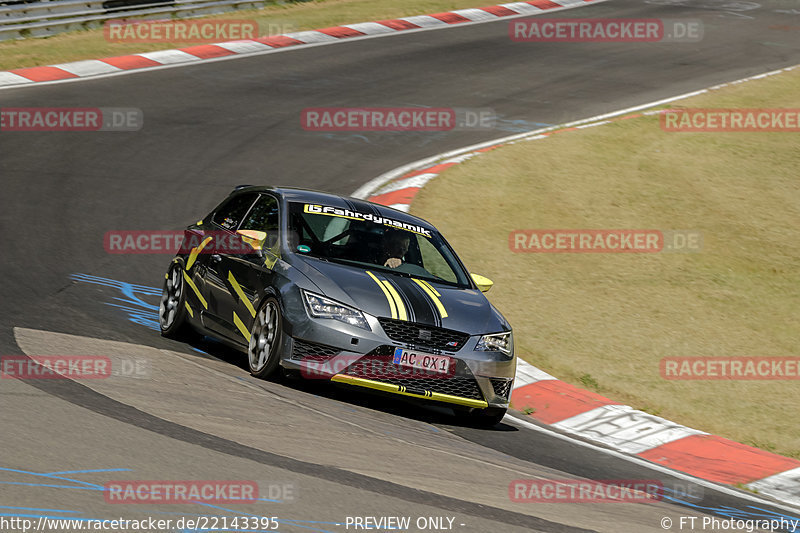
point(422, 361)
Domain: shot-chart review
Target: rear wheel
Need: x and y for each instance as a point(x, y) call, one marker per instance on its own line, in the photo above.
point(172, 308)
point(264, 350)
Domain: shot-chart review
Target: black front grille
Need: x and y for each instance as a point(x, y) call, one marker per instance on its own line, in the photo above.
point(378, 367)
point(502, 387)
point(423, 336)
point(311, 351)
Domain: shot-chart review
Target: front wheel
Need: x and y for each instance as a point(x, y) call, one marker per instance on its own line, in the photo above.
point(172, 308)
point(264, 350)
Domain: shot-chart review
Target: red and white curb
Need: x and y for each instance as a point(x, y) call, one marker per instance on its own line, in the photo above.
point(586, 414)
point(620, 427)
point(93, 68)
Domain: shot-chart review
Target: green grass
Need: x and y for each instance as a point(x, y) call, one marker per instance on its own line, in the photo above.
point(603, 321)
point(91, 44)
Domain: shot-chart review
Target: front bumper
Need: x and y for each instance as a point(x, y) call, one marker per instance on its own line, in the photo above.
point(347, 354)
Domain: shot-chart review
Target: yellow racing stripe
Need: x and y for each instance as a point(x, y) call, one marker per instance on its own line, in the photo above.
point(433, 296)
point(241, 326)
point(242, 296)
point(401, 307)
point(430, 287)
point(195, 289)
point(196, 250)
point(392, 306)
point(270, 259)
point(189, 308)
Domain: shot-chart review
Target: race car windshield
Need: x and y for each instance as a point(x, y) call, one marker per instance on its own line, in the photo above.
point(372, 241)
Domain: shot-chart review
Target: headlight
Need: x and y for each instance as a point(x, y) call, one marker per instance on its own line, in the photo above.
point(321, 307)
point(497, 342)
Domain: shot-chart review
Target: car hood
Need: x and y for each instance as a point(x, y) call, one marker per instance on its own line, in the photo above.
point(377, 291)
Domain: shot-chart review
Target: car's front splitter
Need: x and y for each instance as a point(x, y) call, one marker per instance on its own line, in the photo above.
point(406, 391)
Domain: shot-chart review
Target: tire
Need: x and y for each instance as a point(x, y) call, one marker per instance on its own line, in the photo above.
point(265, 348)
point(172, 308)
point(482, 418)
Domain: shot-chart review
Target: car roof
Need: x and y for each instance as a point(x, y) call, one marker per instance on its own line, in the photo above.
point(291, 194)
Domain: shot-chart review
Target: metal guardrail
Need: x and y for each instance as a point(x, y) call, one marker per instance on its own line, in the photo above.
point(20, 20)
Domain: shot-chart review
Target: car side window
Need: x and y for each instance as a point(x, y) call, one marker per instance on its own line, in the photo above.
point(232, 212)
point(264, 217)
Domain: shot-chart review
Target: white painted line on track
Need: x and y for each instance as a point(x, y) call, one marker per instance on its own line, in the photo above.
point(16, 79)
point(167, 57)
point(89, 67)
point(476, 15)
point(784, 486)
point(369, 28)
point(311, 36)
point(424, 21)
point(415, 181)
point(528, 374)
point(244, 47)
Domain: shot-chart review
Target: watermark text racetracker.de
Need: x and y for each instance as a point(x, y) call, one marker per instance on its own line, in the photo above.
point(171, 242)
point(72, 367)
point(602, 30)
point(730, 368)
point(191, 31)
point(730, 120)
point(180, 492)
point(430, 119)
point(585, 491)
point(21, 119)
point(176, 492)
point(604, 241)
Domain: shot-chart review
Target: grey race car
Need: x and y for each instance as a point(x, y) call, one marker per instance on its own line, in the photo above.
point(342, 289)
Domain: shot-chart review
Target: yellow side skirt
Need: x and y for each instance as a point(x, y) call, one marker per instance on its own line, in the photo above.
point(399, 389)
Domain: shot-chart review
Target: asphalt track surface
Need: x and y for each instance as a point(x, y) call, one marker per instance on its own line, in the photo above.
point(211, 126)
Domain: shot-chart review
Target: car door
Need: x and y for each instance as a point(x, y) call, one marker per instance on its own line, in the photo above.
point(247, 267)
point(212, 269)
